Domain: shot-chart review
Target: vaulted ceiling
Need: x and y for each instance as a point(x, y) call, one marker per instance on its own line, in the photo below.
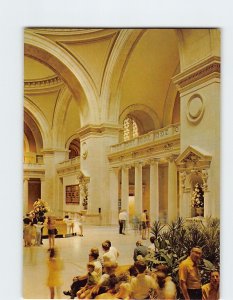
point(143, 61)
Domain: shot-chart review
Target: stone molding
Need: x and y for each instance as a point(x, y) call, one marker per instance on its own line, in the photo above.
point(210, 68)
point(42, 83)
point(155, 150)
point(195, 109)
point(70, 166)
point(193, 159)
point(53, 151)
point(32, 171)
point(98, 129)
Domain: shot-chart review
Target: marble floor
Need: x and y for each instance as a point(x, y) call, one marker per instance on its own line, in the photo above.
point(74, 252)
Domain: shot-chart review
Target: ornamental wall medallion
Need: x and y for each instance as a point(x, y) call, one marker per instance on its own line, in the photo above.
point(195, 109)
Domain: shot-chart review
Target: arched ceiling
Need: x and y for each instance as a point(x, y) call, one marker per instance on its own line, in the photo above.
point(151, 66)
point(35, 70)
point(145, 77)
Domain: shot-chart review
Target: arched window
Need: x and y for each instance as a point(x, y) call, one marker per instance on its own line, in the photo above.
point(74, 149)
point(130, 128)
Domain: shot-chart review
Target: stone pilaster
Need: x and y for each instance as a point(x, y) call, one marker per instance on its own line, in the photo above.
point(172, 189)
point(114, 187)
point(125, 188)
point(199, 87)
point(154, 189)
point(49, 192)
point(138, 188)
point(25, 195)
point(95, 141)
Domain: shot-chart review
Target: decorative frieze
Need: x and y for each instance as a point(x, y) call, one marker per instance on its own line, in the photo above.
point(98, 129)
point(148, 138)
point(69, 166)
point(41, 83)
point(209, 68)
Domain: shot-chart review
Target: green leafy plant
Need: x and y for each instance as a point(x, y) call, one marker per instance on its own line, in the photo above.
point(175, 240)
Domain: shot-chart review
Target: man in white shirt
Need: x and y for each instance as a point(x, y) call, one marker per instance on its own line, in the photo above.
point(112, 249)
point(108, 255)
point(143, 284)
point(122, 221)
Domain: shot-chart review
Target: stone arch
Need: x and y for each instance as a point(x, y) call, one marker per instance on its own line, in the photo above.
point(171, 98)
point(69, 69)
point(74, 143)
point(117, 63)
point(60, 117)
point(40, 121)
point(26, 145)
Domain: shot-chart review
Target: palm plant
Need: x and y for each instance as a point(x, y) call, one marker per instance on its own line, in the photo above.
point(175, 240)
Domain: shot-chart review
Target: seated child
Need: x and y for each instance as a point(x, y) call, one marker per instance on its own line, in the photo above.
point(92, 279)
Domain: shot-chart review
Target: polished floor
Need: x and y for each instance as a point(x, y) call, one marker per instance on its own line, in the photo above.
point(74, 252)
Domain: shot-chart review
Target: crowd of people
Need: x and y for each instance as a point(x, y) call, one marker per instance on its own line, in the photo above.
point(105, 279)
point(34, 225)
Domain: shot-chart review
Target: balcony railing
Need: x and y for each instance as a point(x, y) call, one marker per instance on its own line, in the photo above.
point(152, 136)
point(33, 158)
point(69, 162)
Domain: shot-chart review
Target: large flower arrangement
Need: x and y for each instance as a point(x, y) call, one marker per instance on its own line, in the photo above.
point(40, 207)
point(198, 196)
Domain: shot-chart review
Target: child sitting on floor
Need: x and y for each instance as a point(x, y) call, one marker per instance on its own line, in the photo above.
point(92, 279)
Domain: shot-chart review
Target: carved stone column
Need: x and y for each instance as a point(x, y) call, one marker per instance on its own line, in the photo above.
point(185, 199)
point(154, 190)
point(207, 206)
point(42, 188)
point(138, 188)
point(25, 195)
point(172, 189)
point(114, 186)
point(125, 188)
point(49, 192)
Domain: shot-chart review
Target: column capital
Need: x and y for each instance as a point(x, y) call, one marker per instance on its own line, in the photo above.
point(172, 158)
point(153, 161)
point(26, 179)
point(138, 164)
point(114, 169)
point(126, 167)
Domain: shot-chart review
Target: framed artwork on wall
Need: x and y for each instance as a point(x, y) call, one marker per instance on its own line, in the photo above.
point(72, 194)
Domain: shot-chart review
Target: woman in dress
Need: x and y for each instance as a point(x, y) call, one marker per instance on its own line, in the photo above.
point(54, 281)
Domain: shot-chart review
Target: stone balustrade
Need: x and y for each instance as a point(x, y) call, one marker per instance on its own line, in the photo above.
point(69, 163)
point(33, 158)
point(149, 137)
point(34, 167)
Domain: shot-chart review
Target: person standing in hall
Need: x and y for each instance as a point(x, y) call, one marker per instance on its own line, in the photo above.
point(189, 275)
point(143, 224)
point(80, 223)
point(54, 281)
point(51, 225)
point(122, 221)
point(38, 227)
